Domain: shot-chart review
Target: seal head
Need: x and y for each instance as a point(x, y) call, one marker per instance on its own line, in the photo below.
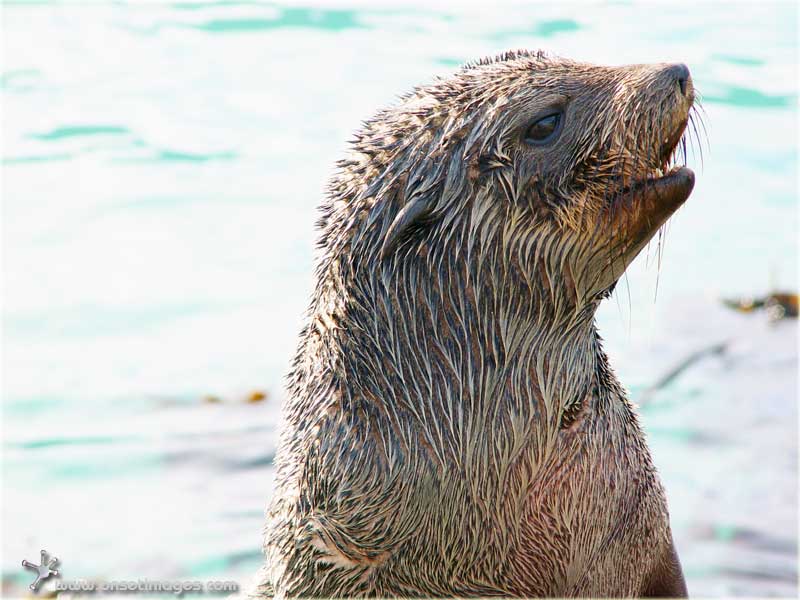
point(584, 147)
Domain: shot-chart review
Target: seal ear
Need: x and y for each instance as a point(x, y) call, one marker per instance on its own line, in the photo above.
point(417, 210)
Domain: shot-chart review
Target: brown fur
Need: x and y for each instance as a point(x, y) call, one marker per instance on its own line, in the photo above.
point(452, 426)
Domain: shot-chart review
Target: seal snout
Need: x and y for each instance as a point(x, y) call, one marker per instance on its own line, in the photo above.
point(679, 74)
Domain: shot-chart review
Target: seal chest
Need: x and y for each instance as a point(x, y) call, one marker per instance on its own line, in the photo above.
point(452, 426)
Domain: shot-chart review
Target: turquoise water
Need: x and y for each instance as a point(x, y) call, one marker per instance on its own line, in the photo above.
point(161, 168)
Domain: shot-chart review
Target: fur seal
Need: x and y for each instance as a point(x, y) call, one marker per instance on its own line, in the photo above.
point(452, 426)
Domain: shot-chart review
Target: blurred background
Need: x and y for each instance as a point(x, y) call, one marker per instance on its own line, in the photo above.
point(162, 164)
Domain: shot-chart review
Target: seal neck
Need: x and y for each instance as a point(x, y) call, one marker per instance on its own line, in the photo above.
point(472, 352)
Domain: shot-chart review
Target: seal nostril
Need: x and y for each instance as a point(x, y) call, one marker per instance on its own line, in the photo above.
point(682, 85)
point(681, 74)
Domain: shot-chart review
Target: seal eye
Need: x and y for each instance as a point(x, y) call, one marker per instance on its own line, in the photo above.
point(543, 130)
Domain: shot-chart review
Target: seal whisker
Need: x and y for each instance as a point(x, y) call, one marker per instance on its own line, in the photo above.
point(697, 136)
point(699, 110)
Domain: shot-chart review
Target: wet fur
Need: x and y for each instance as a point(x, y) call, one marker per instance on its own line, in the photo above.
point(452, 426)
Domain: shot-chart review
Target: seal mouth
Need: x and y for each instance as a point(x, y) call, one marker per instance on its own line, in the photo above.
point(657, 198)
point(674, 185)
point(650, 197)
point(665, 185)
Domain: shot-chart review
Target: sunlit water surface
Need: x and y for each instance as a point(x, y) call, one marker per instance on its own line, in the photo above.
point(162, 164)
